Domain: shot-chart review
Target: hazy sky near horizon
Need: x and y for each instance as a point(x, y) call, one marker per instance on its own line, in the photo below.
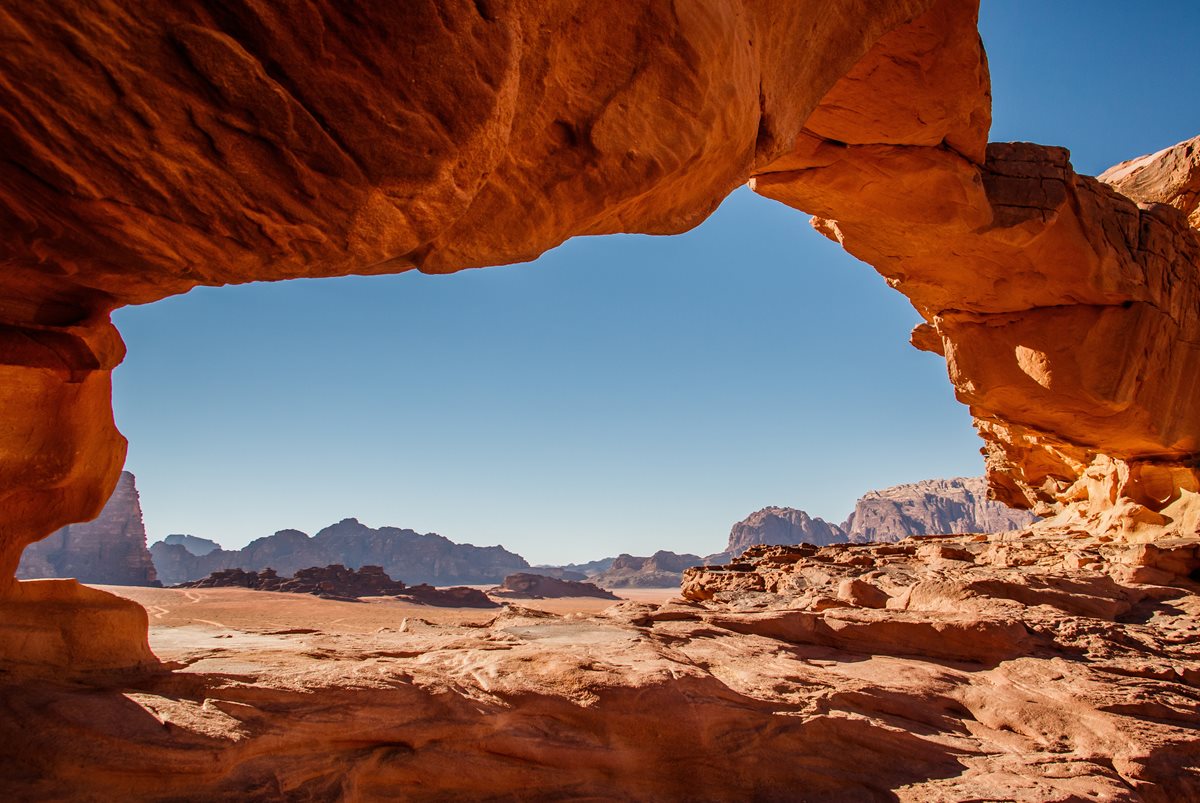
point(620, 394)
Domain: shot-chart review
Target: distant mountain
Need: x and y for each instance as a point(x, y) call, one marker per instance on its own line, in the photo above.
point(782, 525)
point(583, 569)
point(404, 554)
point(928, 507)
point(109, 550)
point(197, 546)
point(660, 570)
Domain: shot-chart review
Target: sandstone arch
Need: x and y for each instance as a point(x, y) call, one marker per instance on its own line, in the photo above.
point(150, 149)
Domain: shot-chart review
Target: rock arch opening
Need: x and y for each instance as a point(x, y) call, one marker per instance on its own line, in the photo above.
point(160, 151)
point(647, 391)
point(149, 150)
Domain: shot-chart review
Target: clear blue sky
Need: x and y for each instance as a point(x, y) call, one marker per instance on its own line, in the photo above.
point(625, 393)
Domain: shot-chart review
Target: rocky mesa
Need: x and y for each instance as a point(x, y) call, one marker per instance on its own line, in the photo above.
point(928, 507)
point(663, 569)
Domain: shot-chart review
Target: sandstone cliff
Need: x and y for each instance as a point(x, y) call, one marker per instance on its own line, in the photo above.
point(404, 554)
point(930, 507)
point(109, 550)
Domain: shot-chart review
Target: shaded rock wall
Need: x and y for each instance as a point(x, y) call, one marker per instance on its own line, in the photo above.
point(109, 550)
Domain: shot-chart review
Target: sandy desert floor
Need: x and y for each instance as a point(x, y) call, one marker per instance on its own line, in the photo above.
point(1016, 667)
point(232, 629)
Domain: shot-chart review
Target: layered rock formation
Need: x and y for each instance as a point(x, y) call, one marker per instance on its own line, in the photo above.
point(404, 554)
point(929, 507)
point(661, 570)
point(534, 586)
point(109, 550)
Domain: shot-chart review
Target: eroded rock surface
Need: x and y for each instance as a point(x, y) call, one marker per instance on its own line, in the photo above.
point(1170, 176)
point(1020, 667)
point(1065, 311)
point(151, 150)
point(67, 631)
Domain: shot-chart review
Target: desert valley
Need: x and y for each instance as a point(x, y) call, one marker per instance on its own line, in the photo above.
point(1031, 634)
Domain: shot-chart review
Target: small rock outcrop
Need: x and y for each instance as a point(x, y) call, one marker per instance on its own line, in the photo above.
point(959, 505)
point(539, 586)
point(334, 581)
point(661, 570)
point(453, 597)
point(109, 550)
point(406, 554)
